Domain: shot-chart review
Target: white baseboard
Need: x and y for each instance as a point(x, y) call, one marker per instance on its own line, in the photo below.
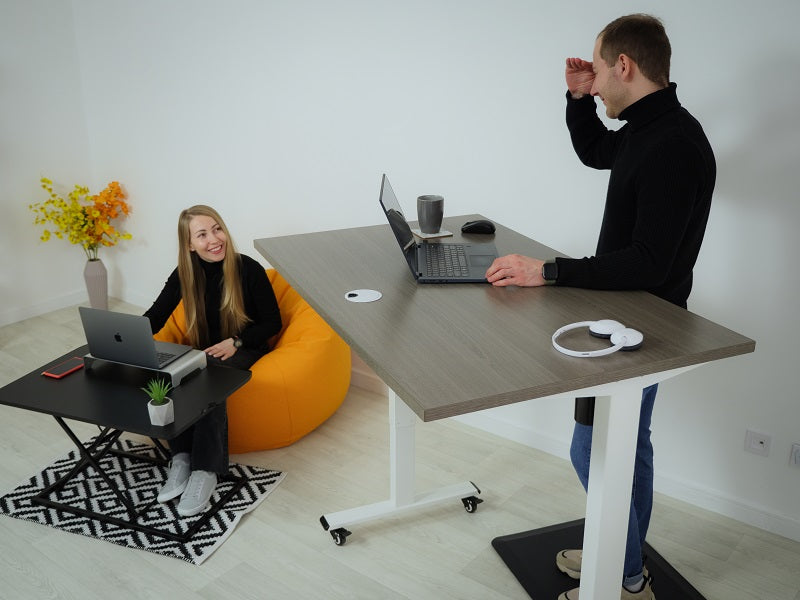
point(684, 491)
point(722, 504)
point(510, 431)
point(20, 313)
point(365, 378)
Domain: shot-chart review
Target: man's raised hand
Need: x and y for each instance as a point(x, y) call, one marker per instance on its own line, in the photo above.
point(580, 77)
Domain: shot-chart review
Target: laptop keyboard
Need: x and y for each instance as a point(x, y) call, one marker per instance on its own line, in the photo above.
point(164, 357)
point(446, 260)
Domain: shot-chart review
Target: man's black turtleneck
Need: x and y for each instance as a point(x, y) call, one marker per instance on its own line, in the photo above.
point(658, 199)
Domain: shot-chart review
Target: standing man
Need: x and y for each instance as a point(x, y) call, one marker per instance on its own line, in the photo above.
point(657, 206)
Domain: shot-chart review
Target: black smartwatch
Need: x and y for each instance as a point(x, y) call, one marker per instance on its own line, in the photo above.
point(550, 271)
point(237, 341)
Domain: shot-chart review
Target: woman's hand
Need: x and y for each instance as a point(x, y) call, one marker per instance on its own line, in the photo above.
point(222, 350)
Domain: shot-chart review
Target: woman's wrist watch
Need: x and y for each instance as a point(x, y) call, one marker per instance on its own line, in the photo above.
point(550, 272)
point(237, 341)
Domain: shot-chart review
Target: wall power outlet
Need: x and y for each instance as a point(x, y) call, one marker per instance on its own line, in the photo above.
point(757, 443)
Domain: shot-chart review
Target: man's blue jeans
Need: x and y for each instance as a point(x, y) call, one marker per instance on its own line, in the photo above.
point(642, 494)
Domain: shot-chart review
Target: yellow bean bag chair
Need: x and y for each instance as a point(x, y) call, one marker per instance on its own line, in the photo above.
point(295, 387)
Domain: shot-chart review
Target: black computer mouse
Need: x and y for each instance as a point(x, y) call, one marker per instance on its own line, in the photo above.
point(479, 226)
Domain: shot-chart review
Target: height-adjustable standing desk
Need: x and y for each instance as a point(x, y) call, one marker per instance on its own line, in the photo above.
point(446, 350)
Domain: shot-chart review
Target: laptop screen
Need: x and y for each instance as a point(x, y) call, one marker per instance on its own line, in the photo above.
point(394, 214)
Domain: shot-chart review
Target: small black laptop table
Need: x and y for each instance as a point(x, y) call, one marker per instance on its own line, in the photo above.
point(110, 397)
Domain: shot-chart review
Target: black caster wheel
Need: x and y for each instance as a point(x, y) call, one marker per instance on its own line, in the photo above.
point(471, 503)
point(340, 536)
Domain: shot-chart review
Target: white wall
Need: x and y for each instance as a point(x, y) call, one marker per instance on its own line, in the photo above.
point(42, 133)
point(283, 115)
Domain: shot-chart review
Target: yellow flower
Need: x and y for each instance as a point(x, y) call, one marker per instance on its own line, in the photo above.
point(83, 219)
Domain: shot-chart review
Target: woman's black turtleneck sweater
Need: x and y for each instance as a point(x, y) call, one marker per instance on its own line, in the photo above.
point(259, 303)
point(658, 200)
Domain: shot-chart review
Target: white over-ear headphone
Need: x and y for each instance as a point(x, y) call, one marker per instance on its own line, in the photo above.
point(620, 336)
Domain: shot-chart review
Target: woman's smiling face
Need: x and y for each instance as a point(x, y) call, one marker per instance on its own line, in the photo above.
point(207, 238)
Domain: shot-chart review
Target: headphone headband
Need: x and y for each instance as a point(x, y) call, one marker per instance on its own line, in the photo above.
point(621, 338)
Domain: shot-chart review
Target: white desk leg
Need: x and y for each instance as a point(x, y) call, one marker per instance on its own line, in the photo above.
point(402, 421)
point(401, 451)
point(608, 500)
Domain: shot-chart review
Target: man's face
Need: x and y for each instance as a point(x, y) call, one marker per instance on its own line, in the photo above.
point(607, 85)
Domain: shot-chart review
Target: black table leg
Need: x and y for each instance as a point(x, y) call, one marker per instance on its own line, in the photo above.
point(92, 454)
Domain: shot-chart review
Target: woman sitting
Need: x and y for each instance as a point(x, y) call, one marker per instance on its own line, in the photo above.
point(231, 312)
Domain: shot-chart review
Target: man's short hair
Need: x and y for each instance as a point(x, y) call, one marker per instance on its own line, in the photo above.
point(643, 39)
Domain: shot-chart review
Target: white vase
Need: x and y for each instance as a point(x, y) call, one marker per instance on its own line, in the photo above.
point(161, 414)
point(96, 277)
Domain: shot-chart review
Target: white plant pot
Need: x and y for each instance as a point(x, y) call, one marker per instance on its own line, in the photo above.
point(163, 414)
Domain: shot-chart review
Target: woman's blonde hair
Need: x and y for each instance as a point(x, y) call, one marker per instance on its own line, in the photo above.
point(232, 313)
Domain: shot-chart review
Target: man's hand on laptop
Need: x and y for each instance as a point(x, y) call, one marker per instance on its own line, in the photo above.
point(515, 269)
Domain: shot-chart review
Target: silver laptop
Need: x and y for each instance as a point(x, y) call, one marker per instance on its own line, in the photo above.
point(128, 339)
point(437, 262)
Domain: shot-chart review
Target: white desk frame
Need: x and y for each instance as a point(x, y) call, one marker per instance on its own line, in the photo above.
point(616, 424)
point(402, 471)
point(608, 498)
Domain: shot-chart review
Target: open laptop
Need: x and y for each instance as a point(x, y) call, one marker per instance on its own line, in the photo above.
point(436, 262)
point(128, 339)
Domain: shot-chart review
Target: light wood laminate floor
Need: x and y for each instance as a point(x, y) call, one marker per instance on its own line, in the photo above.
point(281, 551)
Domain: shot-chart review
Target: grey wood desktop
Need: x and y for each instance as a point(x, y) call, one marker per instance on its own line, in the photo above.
point(451, 349)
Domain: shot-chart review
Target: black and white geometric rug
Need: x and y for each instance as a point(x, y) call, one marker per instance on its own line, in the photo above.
point(142, 480)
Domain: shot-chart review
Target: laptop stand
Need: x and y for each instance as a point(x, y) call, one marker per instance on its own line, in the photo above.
point(177, 370)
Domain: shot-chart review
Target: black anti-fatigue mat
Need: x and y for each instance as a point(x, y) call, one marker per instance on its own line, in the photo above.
point(531, 557)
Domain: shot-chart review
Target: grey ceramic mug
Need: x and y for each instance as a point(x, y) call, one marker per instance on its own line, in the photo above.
point(430, 210)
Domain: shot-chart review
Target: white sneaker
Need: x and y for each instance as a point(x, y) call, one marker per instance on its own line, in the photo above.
point(176, 479)
point(196, 496)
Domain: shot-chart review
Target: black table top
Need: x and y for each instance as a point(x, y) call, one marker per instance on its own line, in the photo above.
point(109, 395)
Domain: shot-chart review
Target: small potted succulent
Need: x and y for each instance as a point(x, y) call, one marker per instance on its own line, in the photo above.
point(160, 407)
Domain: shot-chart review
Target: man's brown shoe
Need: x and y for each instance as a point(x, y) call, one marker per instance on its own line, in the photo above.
point(569, 562)
point(646, 593)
